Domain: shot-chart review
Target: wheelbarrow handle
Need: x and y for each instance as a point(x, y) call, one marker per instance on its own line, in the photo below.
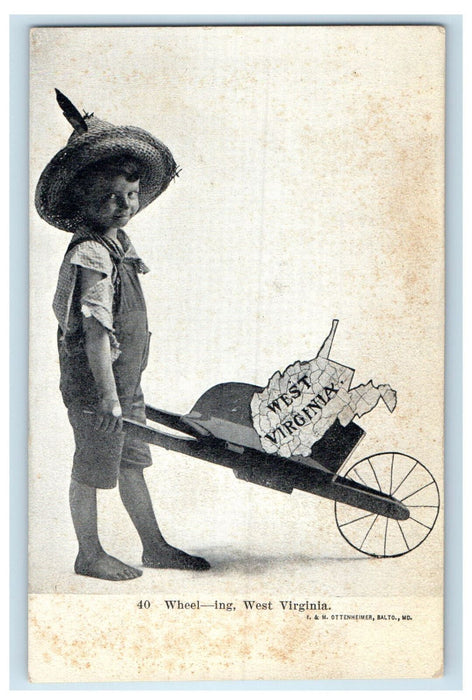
point(180, 443)
point(176, 422)
point(166, 418)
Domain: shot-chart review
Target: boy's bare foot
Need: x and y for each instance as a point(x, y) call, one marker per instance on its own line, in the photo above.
point(106, 567)
point(164, 556)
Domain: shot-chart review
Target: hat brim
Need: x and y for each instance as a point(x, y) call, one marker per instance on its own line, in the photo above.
point(156, 164)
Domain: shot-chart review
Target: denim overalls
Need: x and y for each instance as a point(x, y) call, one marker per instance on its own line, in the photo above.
point(78, 385)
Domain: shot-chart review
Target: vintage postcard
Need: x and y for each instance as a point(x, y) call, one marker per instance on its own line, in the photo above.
point(236, 353)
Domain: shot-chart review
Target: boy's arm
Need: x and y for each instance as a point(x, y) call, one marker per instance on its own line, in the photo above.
point(97, 348)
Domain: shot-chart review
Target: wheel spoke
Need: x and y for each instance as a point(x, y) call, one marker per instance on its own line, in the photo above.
point(385, 537)
point(437, 507)
point(391, 475)
point(404, 478)
point(420, 523)
point(417, 491)
point(369, 515)
point(375, 474)
point(359, 477)
point(403, 535)
point(370, 528)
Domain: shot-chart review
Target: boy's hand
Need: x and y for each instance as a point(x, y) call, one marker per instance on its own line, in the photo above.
point(109, 416)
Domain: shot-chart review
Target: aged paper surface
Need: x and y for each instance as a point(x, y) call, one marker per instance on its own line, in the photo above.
point(311, 189)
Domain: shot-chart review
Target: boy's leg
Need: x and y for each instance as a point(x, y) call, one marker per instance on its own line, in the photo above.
point(92, 560)
point(157, 553)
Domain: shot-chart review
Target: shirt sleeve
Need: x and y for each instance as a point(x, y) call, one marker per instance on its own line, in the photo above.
point(97, 301)
point(92, 255)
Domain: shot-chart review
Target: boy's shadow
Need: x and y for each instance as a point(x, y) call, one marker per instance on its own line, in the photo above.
point(242, 563)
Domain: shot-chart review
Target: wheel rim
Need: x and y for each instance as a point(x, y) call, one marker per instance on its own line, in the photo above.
point(410, 482)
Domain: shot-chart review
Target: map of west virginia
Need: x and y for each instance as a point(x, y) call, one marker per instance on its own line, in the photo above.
point(299, 405)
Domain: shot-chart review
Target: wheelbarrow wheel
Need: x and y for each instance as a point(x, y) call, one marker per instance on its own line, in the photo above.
point(407, 480)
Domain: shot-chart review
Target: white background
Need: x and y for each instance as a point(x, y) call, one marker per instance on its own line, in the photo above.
point(311, 189)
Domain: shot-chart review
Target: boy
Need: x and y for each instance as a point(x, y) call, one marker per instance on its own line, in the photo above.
point(93, 187)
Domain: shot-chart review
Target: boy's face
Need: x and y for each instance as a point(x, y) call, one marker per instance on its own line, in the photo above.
point(109, 202)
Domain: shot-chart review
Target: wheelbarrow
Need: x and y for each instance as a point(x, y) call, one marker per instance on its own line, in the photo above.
point(385, 505)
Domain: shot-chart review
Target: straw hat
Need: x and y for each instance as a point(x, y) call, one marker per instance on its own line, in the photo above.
point(91, 141)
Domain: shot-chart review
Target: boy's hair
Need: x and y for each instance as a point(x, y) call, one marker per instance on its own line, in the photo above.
point(114, 166)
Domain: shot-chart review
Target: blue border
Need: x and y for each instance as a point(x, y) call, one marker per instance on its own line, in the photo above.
point(19, 100)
